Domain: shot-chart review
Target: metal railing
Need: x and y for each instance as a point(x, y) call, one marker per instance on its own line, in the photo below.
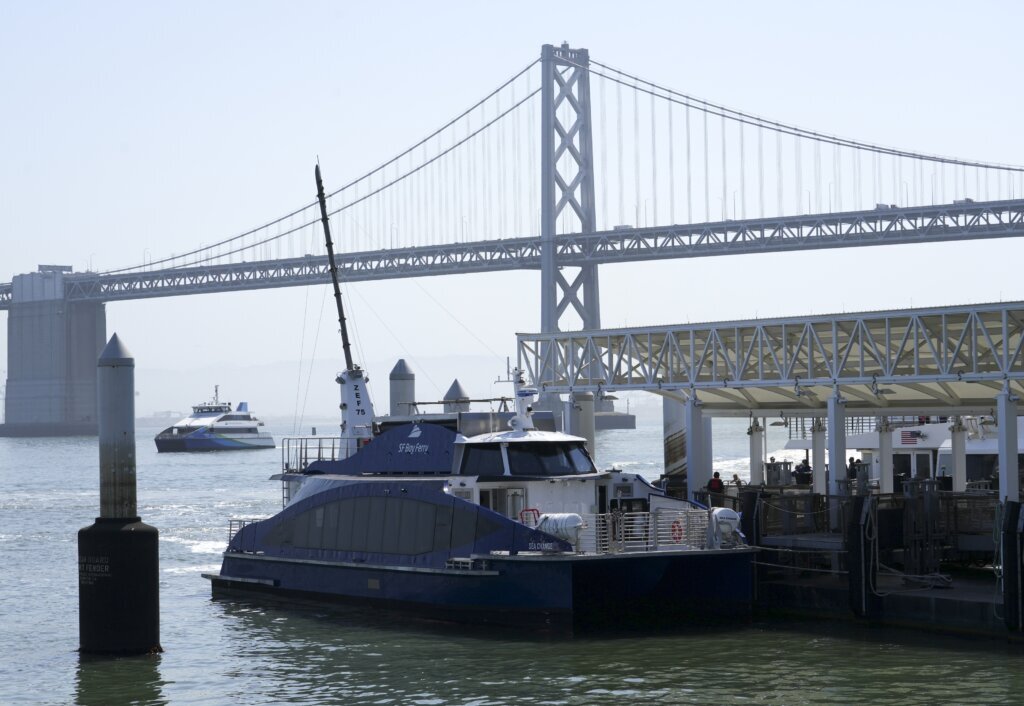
point(235, 525)
point(793, 513)
point(946, 514)
point(661, 530)
point(297, 452)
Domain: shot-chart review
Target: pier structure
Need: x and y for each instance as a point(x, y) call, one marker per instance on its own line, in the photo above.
point(945, 362)
point(950, 361)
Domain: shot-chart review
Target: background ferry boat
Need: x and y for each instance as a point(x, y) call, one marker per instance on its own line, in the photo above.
point(214, 426)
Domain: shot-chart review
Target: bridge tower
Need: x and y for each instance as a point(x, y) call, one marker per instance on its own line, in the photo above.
point(52, 347)
point(567, 182)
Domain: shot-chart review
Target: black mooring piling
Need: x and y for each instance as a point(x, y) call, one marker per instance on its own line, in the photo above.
point(118, 555)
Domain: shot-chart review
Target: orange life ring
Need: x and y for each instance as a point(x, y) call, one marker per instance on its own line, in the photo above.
point(677, 531)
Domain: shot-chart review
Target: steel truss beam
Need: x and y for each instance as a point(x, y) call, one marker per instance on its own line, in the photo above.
point(894, 361)
point(997, 219)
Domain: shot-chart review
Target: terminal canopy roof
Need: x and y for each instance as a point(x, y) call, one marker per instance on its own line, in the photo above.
point(911, 361)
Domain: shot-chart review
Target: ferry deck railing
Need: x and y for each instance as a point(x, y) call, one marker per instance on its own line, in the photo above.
point(235, 525)
point(297, 452)
point(660, 530)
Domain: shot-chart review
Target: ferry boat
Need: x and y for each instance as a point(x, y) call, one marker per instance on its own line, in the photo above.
point(513, 526)
point(214, 426)
point(483, 518)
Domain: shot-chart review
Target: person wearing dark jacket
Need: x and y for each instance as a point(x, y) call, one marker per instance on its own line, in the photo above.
point(716, 489)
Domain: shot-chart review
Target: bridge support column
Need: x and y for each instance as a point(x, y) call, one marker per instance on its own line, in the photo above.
point(884, 460)
point(567, 191)
point(1009, 480)
point(698, 469)
point(756, 434)
point(52, 346)
point(958, 442)
point(818, 439)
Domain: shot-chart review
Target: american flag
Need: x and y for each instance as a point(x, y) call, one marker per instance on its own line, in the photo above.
point(908, 437)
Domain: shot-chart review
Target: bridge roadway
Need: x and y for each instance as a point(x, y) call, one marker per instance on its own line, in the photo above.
point(881, 226)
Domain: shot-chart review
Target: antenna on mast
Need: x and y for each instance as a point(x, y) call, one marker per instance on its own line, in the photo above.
point(334, 268)
point(356, 407)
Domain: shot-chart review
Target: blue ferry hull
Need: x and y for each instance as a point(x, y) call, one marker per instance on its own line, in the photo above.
point(409, 545)
point(556, 594)
point(207, 443)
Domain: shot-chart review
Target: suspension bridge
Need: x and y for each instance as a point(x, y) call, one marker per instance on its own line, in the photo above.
point(567, 165)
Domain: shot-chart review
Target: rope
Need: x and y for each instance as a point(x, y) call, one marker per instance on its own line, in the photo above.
point(786, 550)
point(934, 580)
point(788, 511)
point(800, 568)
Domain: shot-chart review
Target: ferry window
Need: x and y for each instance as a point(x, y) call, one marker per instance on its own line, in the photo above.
point(375, 525)
point(360, 522)
point(580, 460)
point(330, 526)
point(392, 525)
point(443, 527)
point(463, 526)
point(343, 539)
point(486, 524)
point(546, 459)
point(482, 460)
point(415, 520)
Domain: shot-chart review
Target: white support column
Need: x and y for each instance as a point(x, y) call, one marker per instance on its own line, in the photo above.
point(818, 438)
point(673, 435)
point(709, 445)
point(836, 441)
point(884, 459)
point(756, 433)
point(958, 440)
point(585, 402)
point(570, 415)
point(698, 471)
point(1006, 411)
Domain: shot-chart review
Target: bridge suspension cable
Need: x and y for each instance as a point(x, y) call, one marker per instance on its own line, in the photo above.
point(475, 178)
point(363, 187)
point(814, 172)
point(757, 121)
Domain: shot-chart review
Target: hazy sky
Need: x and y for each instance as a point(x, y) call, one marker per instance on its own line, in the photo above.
point(133, 130)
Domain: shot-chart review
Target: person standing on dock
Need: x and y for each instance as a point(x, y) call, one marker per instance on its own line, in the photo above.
point(851, 470)
point(716, 489)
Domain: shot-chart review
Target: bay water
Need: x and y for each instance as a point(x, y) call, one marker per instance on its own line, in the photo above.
point(267, 652)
